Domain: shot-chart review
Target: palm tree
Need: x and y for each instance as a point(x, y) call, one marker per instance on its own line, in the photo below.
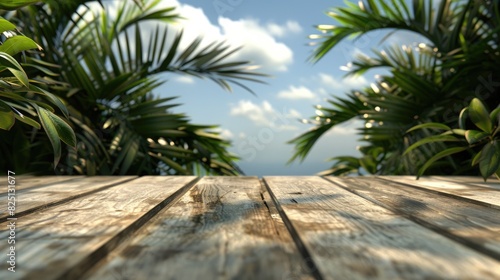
point(107, 69)
point(429, 82)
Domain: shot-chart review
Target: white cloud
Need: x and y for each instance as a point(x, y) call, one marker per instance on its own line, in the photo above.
point(329, 80)
point(265, 115)
point(276, 30)
point(342, 84)
point(283, 30)
point(258, 42)
point(288, 127)
point(293, 26)
point(297, 93)
point(294, 114)
point(343, 130)
point(195, 24)
point(259, 46)
point(260, 115)
point(184, 79)
point(226, 134)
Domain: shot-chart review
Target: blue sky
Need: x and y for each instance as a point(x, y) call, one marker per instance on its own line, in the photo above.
point(273, 34)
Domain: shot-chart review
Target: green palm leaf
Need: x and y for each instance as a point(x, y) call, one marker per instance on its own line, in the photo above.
point(106, 77)
point(426, 85)
point(438, 156)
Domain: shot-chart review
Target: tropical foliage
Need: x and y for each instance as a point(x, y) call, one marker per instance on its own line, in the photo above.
point(484, 135)
point(21, 97)
point(456, 60)
point(107, 69)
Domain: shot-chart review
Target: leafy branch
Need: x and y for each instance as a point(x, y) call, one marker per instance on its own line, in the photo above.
point(19, 95)
point(483, 138)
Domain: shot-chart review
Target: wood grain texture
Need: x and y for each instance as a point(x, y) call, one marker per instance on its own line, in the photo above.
point(220, 229)
point(306, 269)
point(62, 242)
point(26, 181)
point(485, 196)
point(50, 194)
point(474, 225)
point(492, 183)
point(349, 237)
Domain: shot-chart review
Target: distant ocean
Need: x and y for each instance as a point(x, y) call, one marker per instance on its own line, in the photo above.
point(279, 169)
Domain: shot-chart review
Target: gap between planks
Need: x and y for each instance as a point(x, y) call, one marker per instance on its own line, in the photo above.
point(56, 192)
point(306, 255)
point(350, 236)
point(489, 197)
point(467, 222)
point(492, 183)
point(36, 182)
point(222, 228)
point(121, 237)
point(64, 241)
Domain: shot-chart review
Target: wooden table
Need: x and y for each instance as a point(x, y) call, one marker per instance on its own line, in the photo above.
point(250, 228)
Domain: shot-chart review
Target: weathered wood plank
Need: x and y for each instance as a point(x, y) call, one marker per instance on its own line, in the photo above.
point(306, 266)
point(34, 198)
point(486, 196)
point(472, 224)
point(492, 183)
point(62, 242)
point(349, 237)
point(26, 182)
point(220, 229)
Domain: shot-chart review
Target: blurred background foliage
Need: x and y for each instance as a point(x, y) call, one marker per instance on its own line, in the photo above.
point(100, 70)
point(458, 60)
point(85, 77)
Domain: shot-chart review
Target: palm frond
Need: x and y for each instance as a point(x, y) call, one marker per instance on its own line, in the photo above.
point(427, 82)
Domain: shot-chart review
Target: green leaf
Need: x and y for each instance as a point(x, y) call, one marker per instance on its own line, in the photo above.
point(476, 158)
point(495, 116)
point(17, 44)
point(479, 115)
point(54, 99)
point(64, 131)
point(490, 159)
point(438, 156)
point(171, 163)
point(431, 139)
point(14, 67)
point(353, 161)
point(369, 164)
point(42, 69)
point(16, 4)
point(429, 125)
point(460, 132)
point(128, 154)
point(51, 131)
point(474, 136)
point(6, 25)
point(4, 106)
point(375, 152)
point(7, 117)
point(28, 121)
point(57, 129)
point(462, 119)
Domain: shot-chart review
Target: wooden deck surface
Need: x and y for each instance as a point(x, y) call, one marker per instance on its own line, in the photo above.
point(184, 227)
